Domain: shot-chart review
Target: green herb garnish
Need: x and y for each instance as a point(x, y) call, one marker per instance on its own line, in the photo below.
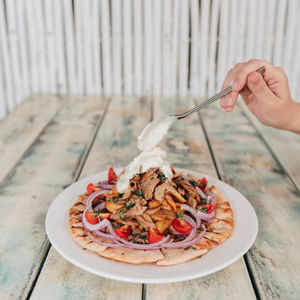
point(204, 200)
point(129, 205)
point(118, 226)
point(122, 215)
point(112, 200)
point(162, 176)
point(179, 215)
point(203, 209)
point(186, 248)
point(140, 193)
point(192, 182)
point(143, 235)
point(121, 195)
point(97, 215)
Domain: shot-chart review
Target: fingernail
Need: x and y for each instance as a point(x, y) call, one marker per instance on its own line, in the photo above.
point(254, 77)
point(235, 85)
point(227, 101)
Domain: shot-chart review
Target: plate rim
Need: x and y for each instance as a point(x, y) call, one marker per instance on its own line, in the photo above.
point(183, 277)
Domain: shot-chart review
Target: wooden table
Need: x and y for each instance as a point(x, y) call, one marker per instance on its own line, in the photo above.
point(50, 142)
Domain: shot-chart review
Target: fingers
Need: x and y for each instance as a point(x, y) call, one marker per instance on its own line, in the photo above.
point(258, 87)
point(229, 100)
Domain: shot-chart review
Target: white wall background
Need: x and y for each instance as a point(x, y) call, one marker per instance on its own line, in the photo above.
point(136, 47)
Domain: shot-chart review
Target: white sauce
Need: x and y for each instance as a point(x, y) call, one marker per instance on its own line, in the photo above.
point(154, 132)
point(151, 155)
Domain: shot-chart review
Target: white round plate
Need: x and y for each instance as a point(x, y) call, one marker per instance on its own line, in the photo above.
point(243, 236)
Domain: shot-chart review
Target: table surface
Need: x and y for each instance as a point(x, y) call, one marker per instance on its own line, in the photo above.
point(49, 142)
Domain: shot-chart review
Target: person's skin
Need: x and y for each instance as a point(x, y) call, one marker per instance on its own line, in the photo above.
point(267, 96)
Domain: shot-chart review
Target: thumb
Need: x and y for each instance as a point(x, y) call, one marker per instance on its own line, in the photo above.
point(258, 86)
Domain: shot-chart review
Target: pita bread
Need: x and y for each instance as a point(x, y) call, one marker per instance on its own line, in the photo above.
point(132, 256)
point(175, 256)
point(218, 230)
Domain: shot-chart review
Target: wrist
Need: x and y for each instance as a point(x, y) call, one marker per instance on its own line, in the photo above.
point(293, 123)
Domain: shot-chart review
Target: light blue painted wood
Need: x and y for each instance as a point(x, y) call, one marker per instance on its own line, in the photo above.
point(246, 163)
point(47, 166)
point(187, 148)
point(115, 145)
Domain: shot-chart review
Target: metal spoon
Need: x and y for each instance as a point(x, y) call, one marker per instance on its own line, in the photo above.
point(210, 100)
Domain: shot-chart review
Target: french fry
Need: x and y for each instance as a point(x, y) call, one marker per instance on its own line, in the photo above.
point(157, 218)
point(171, 202)
point(177, 195)
point(154, 204)
point(163, 225)
point(112, 207)
point(166, 205)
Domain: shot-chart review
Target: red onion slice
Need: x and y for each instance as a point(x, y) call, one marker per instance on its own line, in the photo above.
point(115, 245)
point(188, 243)
point(206, 217)
point(93, 227)
point(108, 236)
point(137, 246)
point(92, 197)
point(100, 206)
point(201, 193)
point(198, 214)
point(105, 185)
point(193, 212)
point(212, 197)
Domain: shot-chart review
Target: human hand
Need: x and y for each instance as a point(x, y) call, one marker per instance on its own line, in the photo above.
point(267, 96)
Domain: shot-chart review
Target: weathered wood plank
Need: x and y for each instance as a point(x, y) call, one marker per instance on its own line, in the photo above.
point(45, 168)
point(187, 148)
point(284, 144)
point(246, 163)
point(21, 128)
point(115, 145)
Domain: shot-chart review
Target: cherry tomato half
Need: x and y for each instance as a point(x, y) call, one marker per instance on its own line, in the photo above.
point(92, 188)
point(123, 231)
point(92, 217)
point(202, 184)
point(154, 235)
point(112, 176)
point(209, 207)
point(181, 225)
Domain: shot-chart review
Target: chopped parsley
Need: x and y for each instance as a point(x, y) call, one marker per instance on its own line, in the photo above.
point(186, 248)
point(179, 215)
point(203, 209)
point(115, 199)
point(192, 182)
point(97, 216)
point(118, 225)
point(143, 235)
point(182, 178)
point(140, 193)
point(162, 176)
point(122, 215)
point(130, 205)
point(204, 200)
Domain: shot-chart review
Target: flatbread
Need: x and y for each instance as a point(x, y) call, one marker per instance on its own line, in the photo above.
point(218, 230)
point(132, 256)
point(175, 256)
